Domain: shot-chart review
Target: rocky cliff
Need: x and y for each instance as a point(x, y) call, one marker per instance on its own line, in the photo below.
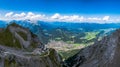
point(104, 53)
point(19, 47)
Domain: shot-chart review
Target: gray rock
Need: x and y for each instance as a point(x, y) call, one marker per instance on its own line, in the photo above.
point(18, 58)
point(38, 56)
point(104, 53)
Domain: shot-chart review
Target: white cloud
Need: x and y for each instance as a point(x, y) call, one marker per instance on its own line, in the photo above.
point(94, 18)
point(9, 14)
point(19, 15)
point(30, 14)
point(106, 18)
point(67, 18)
point(33, 16)
point(58, 17)
point(23, 16)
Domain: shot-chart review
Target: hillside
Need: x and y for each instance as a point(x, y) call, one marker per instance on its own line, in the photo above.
point(19, 47)
point(18, 37)
point(104, 53)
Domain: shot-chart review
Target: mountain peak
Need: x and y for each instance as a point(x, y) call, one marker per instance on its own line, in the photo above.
point(20, 47)
point(17, 36)
point(104, 53)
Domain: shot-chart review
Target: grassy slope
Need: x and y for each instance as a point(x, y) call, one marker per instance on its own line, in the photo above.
point(23, 35)
point(7, 39)
point(69, 53)
point(90, 35)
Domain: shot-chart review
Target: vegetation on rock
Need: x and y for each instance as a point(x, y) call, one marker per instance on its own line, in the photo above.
point(7, 39)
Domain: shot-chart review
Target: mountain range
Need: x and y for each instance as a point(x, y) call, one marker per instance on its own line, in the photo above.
point(52, 30)
point(73, 36)
point(26, 44)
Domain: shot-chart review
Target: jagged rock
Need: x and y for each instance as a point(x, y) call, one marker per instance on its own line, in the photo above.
point(38, 51)
point(104, 53)
point(26, 40)
point(19, 37)
point(32, 54)
point(17, 58)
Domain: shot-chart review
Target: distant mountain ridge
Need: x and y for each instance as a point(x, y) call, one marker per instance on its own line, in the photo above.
point(84, 25)
point(55, 30)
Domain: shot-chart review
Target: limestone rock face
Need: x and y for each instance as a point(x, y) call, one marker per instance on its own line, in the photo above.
point(15, 58)
point(21, 48)
point(104, 53)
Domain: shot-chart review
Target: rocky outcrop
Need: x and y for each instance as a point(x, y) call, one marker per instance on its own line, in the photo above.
point(24, 43)
point(10, 57)
point(32, 54)
point(104, 53)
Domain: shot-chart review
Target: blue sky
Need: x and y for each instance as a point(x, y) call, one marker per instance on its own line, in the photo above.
point(61, 10)
point(63, 6)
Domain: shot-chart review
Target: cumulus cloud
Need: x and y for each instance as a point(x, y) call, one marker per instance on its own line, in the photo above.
point(94, 18)
point(33, 16)
point(9, 14)
point(24, 16)
point(106, 18)
point(19, 15)
point(67, 18)
point(57, 17)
